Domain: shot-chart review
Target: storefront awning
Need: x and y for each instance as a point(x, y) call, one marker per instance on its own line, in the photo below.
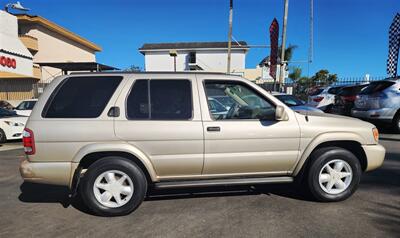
point(78, 66)
point(9, 75)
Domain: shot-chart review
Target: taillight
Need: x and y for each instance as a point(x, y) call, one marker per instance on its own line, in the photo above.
point(28, 141)
point(318, 99)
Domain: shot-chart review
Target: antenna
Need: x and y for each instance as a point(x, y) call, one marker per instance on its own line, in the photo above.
point(16, 6)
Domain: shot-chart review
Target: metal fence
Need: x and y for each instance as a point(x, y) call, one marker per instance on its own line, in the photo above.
point(301, 89)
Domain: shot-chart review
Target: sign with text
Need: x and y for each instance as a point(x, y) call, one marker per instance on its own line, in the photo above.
point(8, 62)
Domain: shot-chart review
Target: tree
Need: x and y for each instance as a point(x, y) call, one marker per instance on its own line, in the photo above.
point(295, 75)
point(133, 68)
point(323, 77)
point(288, 52)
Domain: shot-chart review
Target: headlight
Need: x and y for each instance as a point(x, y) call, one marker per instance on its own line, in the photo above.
point(375, 132)
point(11, 123)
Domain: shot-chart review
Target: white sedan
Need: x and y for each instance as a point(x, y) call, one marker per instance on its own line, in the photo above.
point(25, 107)
point(11, 125)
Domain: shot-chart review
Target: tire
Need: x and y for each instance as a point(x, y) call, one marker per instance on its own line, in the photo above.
point(396, 122)
point(106, 173)
point(328, 108)
point(323, 183)
point(3, 137)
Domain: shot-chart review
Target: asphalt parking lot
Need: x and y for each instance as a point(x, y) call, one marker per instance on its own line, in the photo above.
point(32, 210)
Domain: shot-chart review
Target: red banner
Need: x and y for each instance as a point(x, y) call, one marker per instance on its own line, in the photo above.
point(273, 55)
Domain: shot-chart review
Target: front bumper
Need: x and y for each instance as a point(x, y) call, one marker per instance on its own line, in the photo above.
point(57, 173)
point(375, 156)
point(385, 114)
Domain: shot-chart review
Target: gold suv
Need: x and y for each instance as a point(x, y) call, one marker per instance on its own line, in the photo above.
point(110, 136)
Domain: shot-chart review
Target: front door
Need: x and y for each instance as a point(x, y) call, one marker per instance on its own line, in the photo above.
point(246, 139)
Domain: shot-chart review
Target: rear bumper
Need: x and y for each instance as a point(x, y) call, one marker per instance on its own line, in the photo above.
point(57, 173)
point(375, 156)
point(384, 114)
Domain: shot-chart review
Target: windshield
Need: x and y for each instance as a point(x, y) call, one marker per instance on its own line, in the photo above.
point(6, 113)
point(289, 100)
point(26, 105)
point(375, 87)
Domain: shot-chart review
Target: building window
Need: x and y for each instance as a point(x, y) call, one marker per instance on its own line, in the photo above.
point(192, 57)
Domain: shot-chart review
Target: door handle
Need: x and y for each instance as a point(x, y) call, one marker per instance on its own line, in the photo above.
point(113, 112)
point(213, 128)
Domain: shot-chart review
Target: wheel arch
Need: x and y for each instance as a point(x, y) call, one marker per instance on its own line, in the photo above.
point(348, 141)
point(91, 153)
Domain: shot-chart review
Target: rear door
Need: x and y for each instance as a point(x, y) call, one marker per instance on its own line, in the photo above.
point(160, 116)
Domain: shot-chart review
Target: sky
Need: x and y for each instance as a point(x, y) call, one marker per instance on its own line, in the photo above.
point(350, 36)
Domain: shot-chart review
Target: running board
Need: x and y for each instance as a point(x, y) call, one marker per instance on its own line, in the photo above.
point(222, 182)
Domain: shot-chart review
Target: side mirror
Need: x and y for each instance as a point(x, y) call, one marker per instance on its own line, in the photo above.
point(280, 114)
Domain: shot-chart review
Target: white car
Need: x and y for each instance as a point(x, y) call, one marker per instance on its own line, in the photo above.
point(323, 98)
point(25, 107)
point(11, 125)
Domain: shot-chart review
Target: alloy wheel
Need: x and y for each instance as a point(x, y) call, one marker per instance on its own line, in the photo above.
point(335, 176)
point(113, 188)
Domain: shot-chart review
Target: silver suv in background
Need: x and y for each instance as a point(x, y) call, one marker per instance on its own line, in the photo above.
point(380, 101)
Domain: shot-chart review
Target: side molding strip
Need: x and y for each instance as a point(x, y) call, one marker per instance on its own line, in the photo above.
point(222, 182)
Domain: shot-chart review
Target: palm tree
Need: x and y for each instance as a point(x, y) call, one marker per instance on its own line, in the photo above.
point(288, 52)
point(295, 75)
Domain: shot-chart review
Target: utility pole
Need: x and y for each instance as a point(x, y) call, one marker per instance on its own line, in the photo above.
point(283, 47)
point(228, 68)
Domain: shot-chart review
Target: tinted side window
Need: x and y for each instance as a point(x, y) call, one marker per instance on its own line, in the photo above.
point(81, 97)
point(248, 104)
point(138, 100)
point(170, 99)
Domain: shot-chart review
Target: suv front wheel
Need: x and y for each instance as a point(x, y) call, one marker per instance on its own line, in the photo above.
point(334, 174)
point(113, 186)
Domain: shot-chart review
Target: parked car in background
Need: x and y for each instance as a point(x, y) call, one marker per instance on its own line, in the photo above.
point(6, 105)
point(123, 133)
point(344, 100)
point(295, 103)
point(25, 107)
point(224, 100)
point(11, 125)
point(380, 101)
point(217, 109)
point(323, 97)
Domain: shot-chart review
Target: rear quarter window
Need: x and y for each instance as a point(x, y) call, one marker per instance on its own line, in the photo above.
point(81, 97)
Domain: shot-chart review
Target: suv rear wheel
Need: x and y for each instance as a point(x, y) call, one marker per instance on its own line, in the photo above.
point(113, 186)
point(333, 175)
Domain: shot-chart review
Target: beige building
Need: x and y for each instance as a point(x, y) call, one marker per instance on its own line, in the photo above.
point(44, 42)
point(49, 42)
